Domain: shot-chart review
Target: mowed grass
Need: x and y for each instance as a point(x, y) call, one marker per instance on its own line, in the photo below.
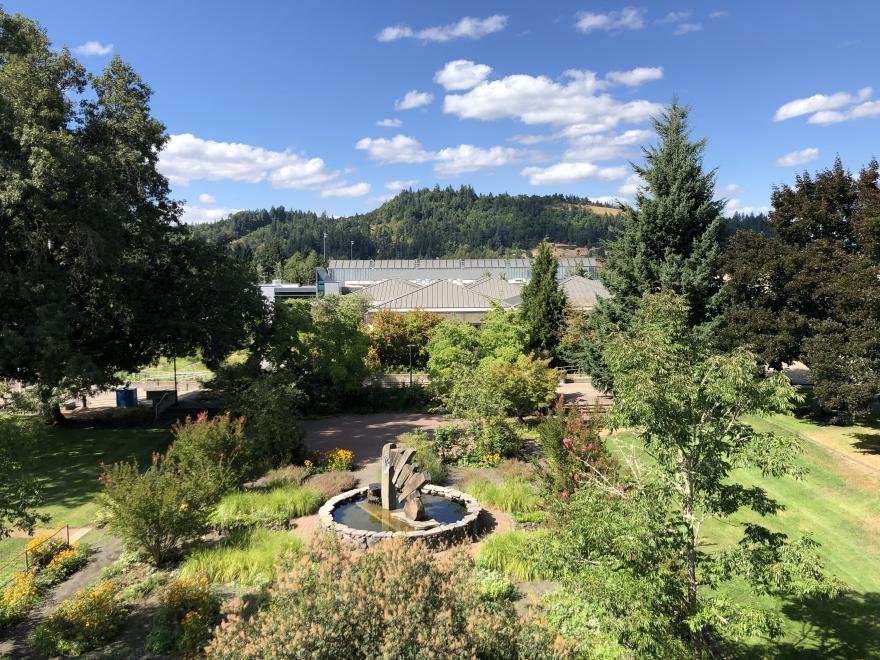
point(11, 558)
point(838, 504)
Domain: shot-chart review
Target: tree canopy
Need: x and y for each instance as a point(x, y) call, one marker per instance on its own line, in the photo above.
point(542, 309)
point(97, 275)
point(811, 291)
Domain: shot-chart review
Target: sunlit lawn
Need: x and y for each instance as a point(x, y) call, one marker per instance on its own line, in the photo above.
point(838, 504)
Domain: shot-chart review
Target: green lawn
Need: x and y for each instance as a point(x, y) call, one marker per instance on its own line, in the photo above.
point(838, 504)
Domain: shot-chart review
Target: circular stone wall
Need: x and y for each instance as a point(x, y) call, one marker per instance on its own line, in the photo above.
point(436, 536)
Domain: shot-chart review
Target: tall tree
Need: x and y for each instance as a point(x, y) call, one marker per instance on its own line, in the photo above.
point(687, 405)
point(811, 292)
point(90, 242)
point(542, 309)
point(670, 239)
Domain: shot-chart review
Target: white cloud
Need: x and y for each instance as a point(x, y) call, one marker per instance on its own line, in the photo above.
point(819, 103)
point(570, 172)
point(798, 157)
point(687, 28)
point(674, 17)
point(629, 187)
point(205, 198)
point(607, 199)
point(462, 74)
point(628, 18)
point(861, 111)
point(390, 123)
point(401, 185)
point(733, 189)
point(196, 214)
point(356, 190)
point(448, 161)
point(635, 77)
point(399, 149)
point(533, 139)
point(719, 14)
point(540, 100)
point(466, 28)
point(735, 206)
point(592, 147)
point(414, 99)
point(187, 158)
point(93, 48)
point(468, 158)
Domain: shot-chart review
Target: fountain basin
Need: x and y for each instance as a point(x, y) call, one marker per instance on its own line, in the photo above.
point(363, 525)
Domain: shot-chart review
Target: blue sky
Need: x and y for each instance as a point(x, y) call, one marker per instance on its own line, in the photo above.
point(277, 103)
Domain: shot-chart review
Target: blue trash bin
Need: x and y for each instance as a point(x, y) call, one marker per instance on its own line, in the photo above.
point(126, 397)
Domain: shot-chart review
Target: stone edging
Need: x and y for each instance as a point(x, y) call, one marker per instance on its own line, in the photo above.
point(440, 536)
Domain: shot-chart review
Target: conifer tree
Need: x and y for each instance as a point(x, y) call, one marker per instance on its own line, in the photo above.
point(543, 304)
point(670, 240)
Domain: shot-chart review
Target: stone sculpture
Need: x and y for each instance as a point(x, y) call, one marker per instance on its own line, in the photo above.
point(400, 473)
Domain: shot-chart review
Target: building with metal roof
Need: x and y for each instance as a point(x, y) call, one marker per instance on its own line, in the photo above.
point(443, 297)
point(495, 288)
point(388, 290)
point(583, 293)
point(353, 273)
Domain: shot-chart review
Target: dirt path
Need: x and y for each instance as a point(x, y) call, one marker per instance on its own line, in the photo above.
point(868, 462)
point(15, 645)
point(76, 533)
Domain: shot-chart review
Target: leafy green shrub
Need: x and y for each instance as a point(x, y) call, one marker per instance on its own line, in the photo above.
point(514, 496)
point(274, 507)
point(216, 448)
point(64, 563)
point(328, 484)
point(84, 622)
point(188, 610)
point(158, 510)
point(515, 553)
point(494, 586)
point(43, 547)
point(426, 457)
point(391, 601)
point(246, 557)
point(271, 407)
point(477, 444)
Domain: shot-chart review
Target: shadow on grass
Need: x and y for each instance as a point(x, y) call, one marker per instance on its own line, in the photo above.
point(847, 626)
point(867, 443)
point(69, 459)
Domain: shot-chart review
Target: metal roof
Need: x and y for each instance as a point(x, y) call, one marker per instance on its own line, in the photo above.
point(564, 262)
point(442, 295)
point(388, 289)
point(495, 287)
point(582, 292)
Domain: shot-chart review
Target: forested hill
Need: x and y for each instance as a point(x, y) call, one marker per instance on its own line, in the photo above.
point(420, 224)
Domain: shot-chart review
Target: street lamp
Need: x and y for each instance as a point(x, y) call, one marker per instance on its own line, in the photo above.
point(351, 252)
point(325, 247)
point(410, 347)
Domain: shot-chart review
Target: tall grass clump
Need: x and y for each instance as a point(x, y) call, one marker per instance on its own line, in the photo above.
point(247, 557)
point(516, 496)
point(516, 553)
point(274, 507)
point(426, 456)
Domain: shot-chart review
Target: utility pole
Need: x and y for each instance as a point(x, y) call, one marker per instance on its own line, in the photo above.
point(174, 360)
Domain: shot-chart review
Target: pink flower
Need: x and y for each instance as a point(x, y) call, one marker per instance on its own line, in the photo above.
point(567, 442)
point(564, 495)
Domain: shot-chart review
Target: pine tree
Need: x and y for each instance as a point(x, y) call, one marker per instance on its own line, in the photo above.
point(543, 304)
point(670, 240)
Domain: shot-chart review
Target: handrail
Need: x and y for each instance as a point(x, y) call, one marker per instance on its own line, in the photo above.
point(158, 407)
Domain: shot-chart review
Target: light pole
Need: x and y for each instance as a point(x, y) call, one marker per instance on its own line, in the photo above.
point(410, 347)
point(325, 247)
point(351, 252)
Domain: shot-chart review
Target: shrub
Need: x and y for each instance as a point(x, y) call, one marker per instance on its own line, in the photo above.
point(43, 547)
point(64, 563)
point(271, 409)
point(337, 460)
point(157, 511)
point(391, 601)
point(328, 484)
point(515, 553)
point(514, 496)
point(216, 448)
point(289, 475)
point(426, 456)
point(246, 557)
point(86, 621)
point(188, 610)
point(274, 507)
point(494, 586)
point(477, 444)
point(392, 332)
point(17, 598)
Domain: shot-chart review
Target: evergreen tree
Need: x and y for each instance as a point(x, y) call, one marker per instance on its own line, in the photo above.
point(669, 240)
point(543, 304)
